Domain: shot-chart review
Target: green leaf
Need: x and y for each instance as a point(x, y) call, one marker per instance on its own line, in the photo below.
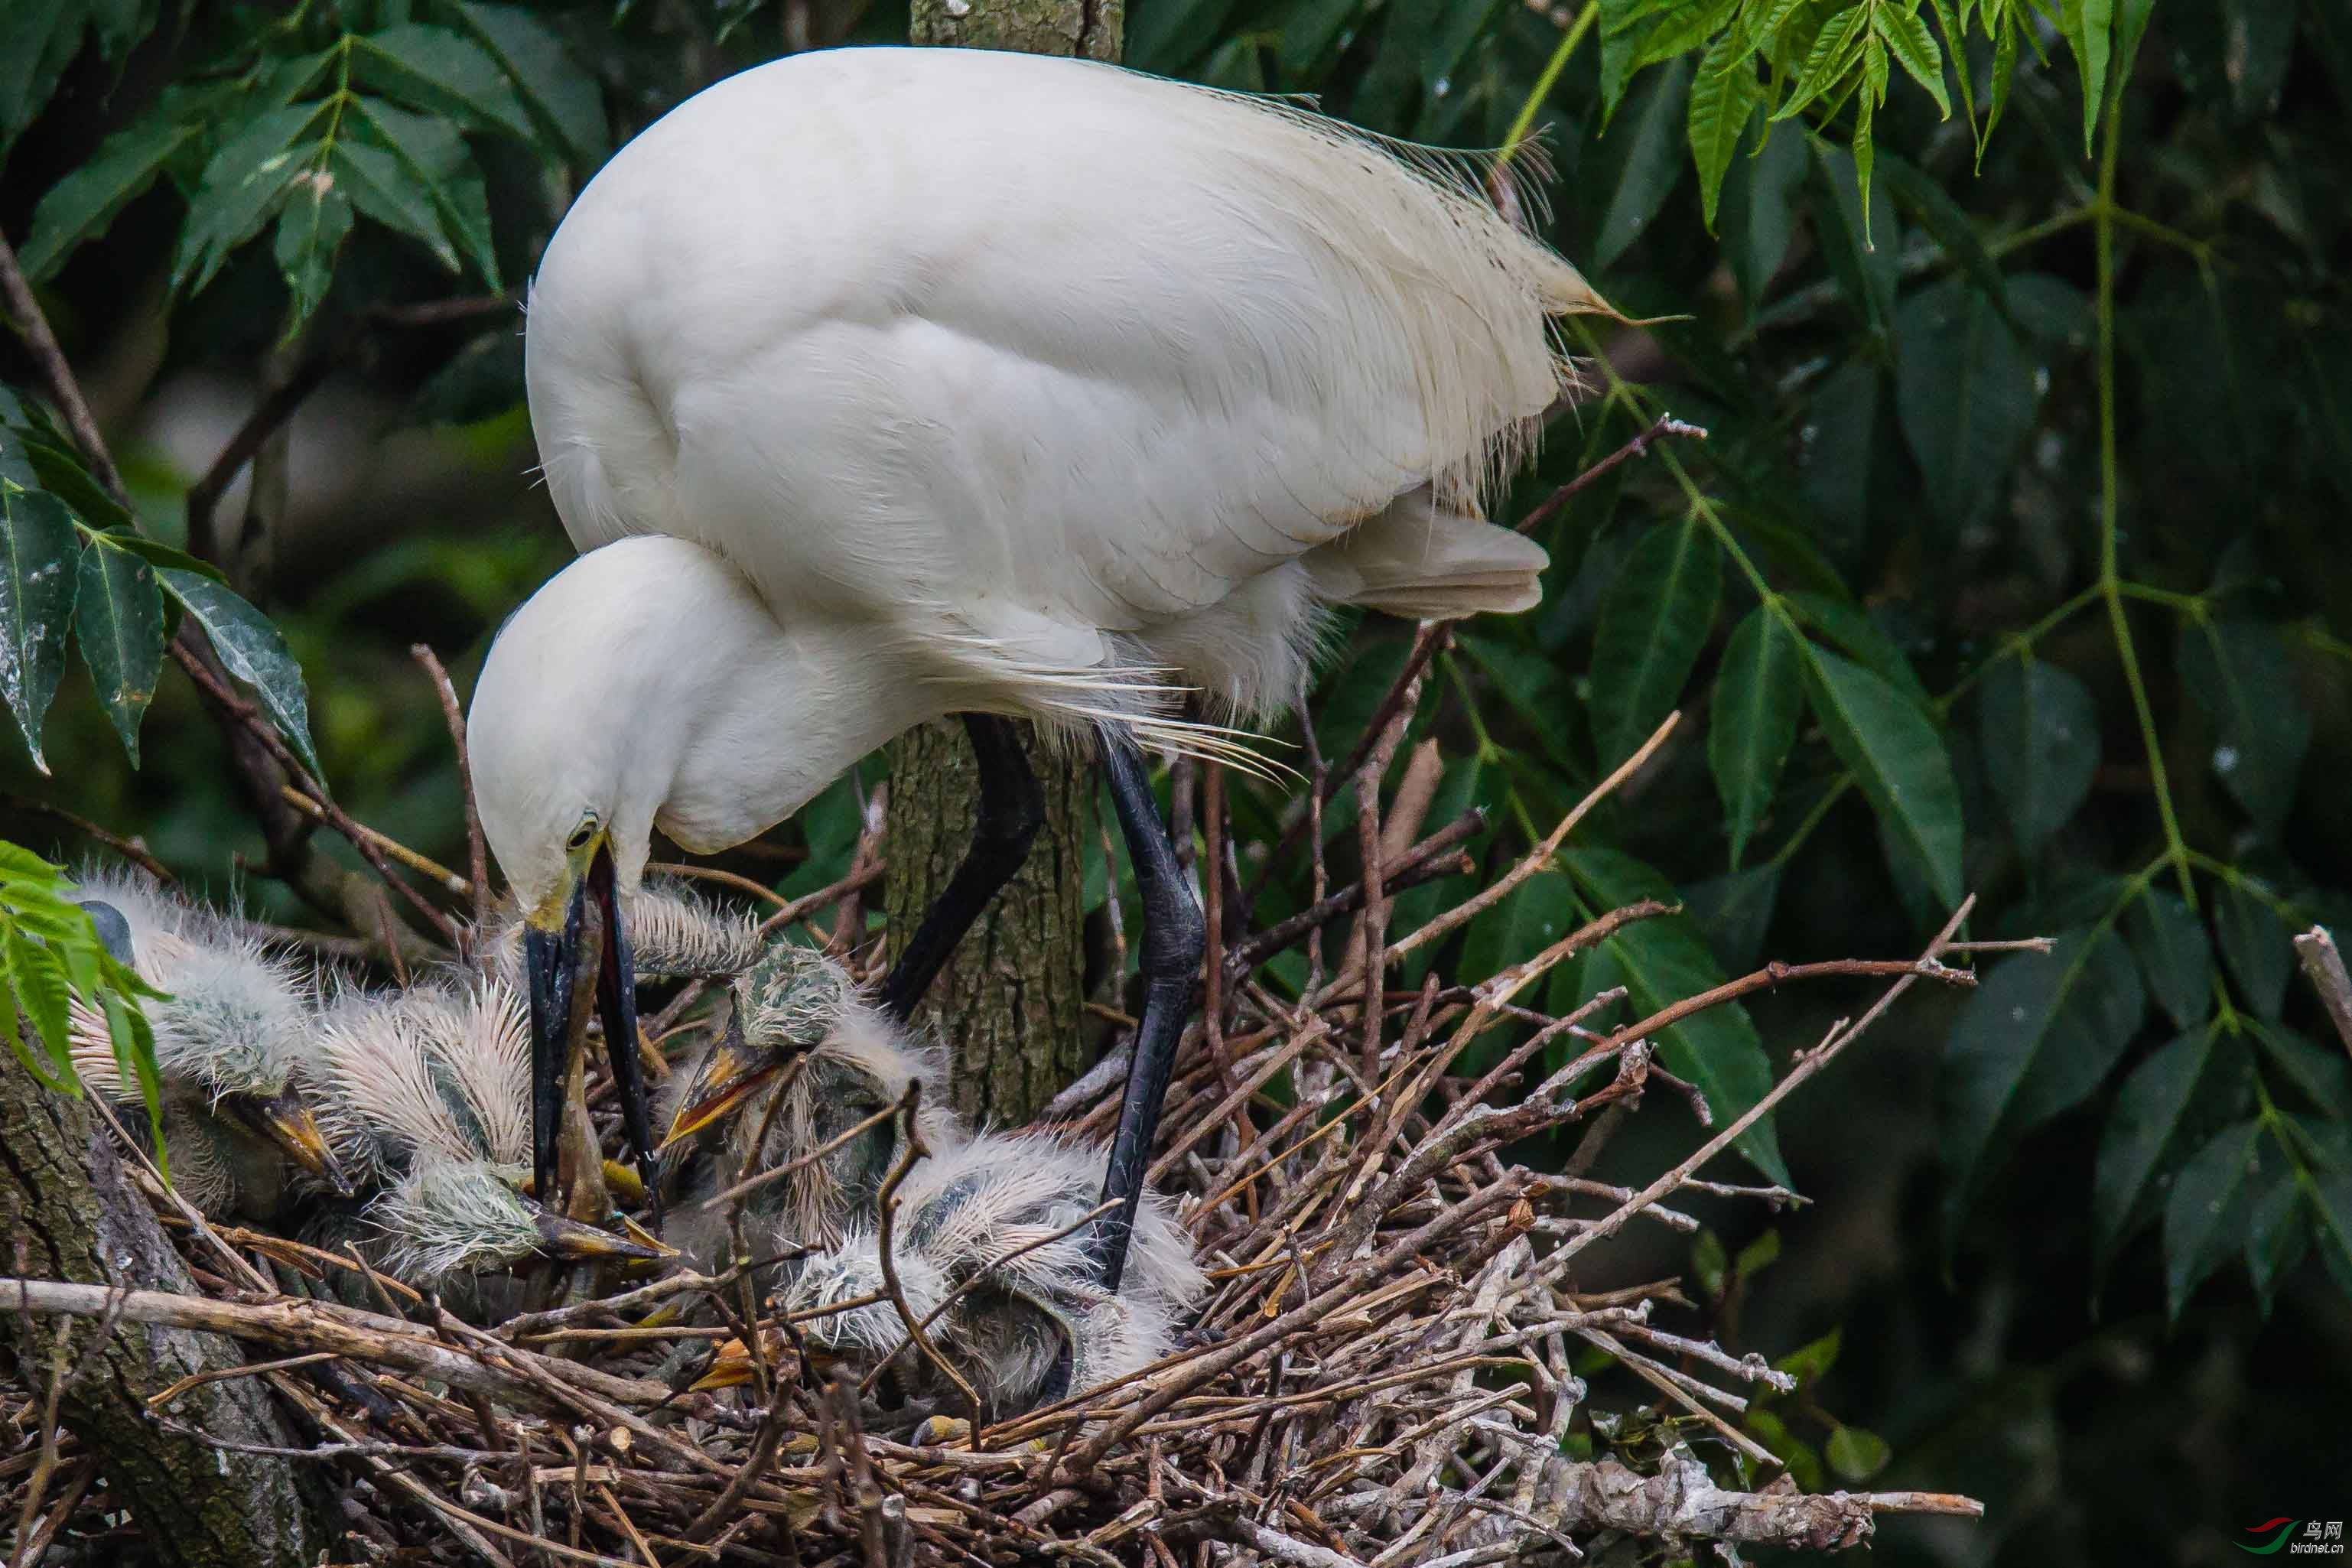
point(119, 623)
point(2258, 947)
point(1812, 1362)
point(1648, 160)
point(1908, 39)
point(1735, 911)
point(1722, 101)
point(1653, 623)
point(2159, 1108)
point(155, 553)
point(441, 73)
point(36, 604)
point(310, 233)
point(1925, 200)
point(1758, 692)
point(135, 1058)
point(1711, 1265)
point(2321, 1074)
point(254, 652)
point(1856, 1454)
point(2036, 1037)
point(2089, 25)
point(2041, 732)
point(37, 976)
point(1965, 389)
point(2004, 69)
point(1660, 960)
point(2276, 1237)
point(2332, 1222)
point(389, 192)
point(436, 172)
point(1535, 915)
point(243, 185)
point(1836, 50)
point(2206, 1215)
point(556, 89)
point(1894, 753)
point(80, 205)
point(2174, 953)
point(2239, 674)
point(1759, 210)
point(39, 38)
point(1844, 218)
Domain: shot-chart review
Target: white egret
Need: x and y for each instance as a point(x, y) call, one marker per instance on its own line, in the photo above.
point(229, 1038)
point(880, 384)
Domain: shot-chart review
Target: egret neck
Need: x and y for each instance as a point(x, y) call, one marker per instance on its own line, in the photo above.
point(647, 686)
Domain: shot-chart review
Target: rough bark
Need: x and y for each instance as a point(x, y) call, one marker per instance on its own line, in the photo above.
point(1091, 29)
point(70, 1214)
point(1009, 1001)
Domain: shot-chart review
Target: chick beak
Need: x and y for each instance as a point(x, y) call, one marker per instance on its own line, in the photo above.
point(733, 1072)
point(286, 1122)
point(730, 1367)
point(568, 1239)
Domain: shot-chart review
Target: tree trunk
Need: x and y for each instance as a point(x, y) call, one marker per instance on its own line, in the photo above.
point(70, 1212)
point(1009, 1001)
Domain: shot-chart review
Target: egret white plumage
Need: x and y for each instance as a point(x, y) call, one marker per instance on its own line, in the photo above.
point(881, 385)
point(426, 1094)
point(984, 1231)
point(798, 1026)
point(228, 1037)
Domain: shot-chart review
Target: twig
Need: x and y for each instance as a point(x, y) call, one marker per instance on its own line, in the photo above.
point(123, 846)
point(884, 1228)
point(1639, 446)
point(2325, 965)
point(58, 372)
point(477, 860)
point(422, 864)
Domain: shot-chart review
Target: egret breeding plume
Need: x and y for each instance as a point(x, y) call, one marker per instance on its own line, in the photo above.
point(229, 1038)
point(983, 1244)
point(797, 1027)
point(426, 1094)
point(881, 385)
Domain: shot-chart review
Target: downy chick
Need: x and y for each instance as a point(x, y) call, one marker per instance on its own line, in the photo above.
point(1025, 1323)
point(228, 1040)
point(797, 1027)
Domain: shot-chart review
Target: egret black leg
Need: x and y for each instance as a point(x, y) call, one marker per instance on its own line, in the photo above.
point(1012, 809)
point(1174, 937)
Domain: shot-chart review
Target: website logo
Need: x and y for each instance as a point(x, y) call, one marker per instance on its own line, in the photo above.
point(2296, 1537)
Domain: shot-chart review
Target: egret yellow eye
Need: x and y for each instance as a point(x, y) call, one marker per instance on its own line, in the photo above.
point(581, 835)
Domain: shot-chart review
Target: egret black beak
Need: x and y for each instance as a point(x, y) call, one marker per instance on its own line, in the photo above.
point(732, 1073)
point(571, 1240)
point(286, 1122)
point(552, 961)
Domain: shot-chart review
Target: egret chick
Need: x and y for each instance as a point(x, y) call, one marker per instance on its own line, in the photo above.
point(880, 384)
point(229, 1038)
point(793, 1006)
point(426, 1095)
point(676, 932)
point(1026, 1321)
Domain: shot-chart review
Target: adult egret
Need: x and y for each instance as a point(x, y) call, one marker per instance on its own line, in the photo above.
point(880, 384)
point(228, 1037)
point(798, 1027)
point(983, 1243)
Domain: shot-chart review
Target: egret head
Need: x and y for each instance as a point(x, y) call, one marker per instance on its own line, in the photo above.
point(229, 1035)
point(626, 694)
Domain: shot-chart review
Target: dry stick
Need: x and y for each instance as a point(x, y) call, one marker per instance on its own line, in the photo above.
point(885, 1227)
point(58, 371)
point(477, 858)
point(415, 860)
point(1425, 861)
point(1841, 1036)
point(725, 879)
point(92, 830)
point(2325, 965)
point(280, 405)
point(34, 1547)
point(1212, 967)
point(1373, 923)
point(1539, 856)
point(1639, 446)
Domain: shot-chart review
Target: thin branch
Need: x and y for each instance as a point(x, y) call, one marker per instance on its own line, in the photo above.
point(477, 860)
point(125, 848)
point(58, 372)
point(1639, 446)
point(2325, 966)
